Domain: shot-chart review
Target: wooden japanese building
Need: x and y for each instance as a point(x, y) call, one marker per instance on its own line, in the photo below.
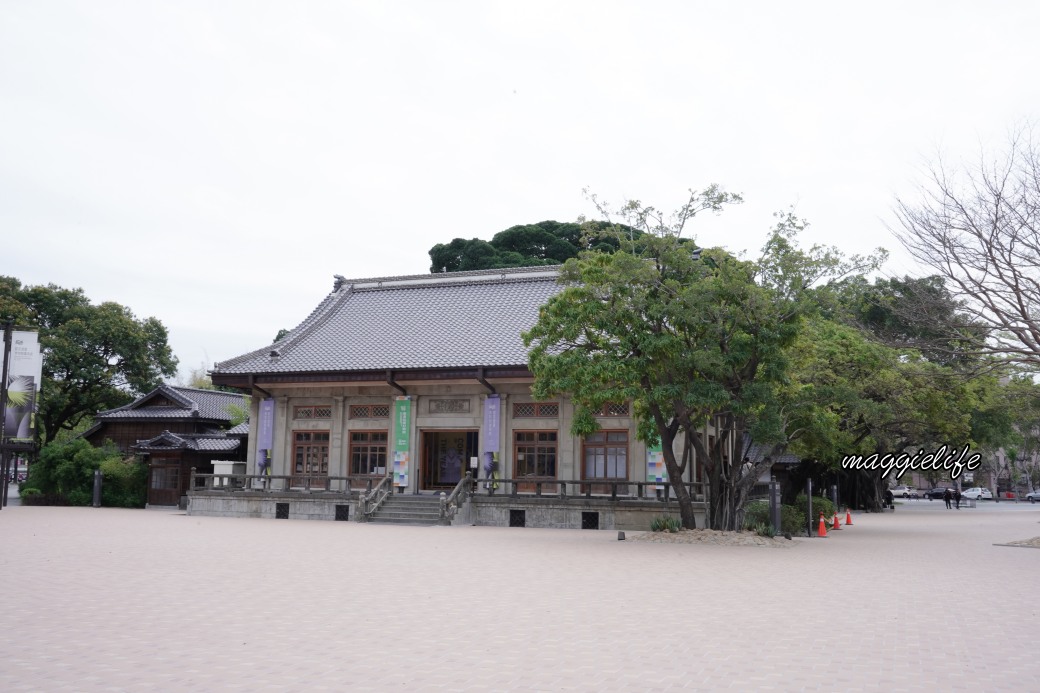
point(174, 429)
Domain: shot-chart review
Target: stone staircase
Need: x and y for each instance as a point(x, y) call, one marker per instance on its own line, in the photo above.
point(408, 509)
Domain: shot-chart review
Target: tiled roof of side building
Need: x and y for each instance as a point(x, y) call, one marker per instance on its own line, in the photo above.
point(210, 404)
point(202, 443)
point(241, 429)
point(455, 319)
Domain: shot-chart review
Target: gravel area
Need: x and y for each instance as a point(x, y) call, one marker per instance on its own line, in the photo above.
point(715, 537)
point(1033, 543)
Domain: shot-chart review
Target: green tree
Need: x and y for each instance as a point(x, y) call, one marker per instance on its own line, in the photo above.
point(239, 413)
point(64, 472)
point(849, 394)
point(95, 356)
point(690, 337)
point(64, 475)
point(527, 245)
point(915, 313)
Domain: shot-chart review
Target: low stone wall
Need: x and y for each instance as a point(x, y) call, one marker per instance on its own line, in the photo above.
point(265, 504)
point(493, 511)
point(575, 513)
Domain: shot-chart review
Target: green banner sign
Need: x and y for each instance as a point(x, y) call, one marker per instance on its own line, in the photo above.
point(402, 435)
point(655, 469)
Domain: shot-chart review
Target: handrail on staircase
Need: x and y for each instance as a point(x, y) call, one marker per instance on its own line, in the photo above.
point(368, 503)
point(450, 504)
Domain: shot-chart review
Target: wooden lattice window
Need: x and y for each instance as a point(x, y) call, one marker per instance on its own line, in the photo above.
point(528, 410)
point(614, 409)
point(606, 455)
point(370, 411)
point(317, 411)
point(311, 453)
point(535, 453)
point(368, 453)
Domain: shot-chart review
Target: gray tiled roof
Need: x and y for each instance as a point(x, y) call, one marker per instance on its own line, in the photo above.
point(241, 429)
point(200, 442)
point(448, 320)
point(758, 452)
point(205, 404)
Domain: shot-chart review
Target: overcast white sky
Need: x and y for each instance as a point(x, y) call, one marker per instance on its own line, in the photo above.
point(214, 164)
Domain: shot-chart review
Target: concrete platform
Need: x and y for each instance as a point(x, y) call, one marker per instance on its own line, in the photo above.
point(125, 600)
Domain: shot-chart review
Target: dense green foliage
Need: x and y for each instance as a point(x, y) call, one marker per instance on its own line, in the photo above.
point(528, 245)
point(912, 313)
point(689, 338)
point(819, 505)
point(876, 373)
point(96, 357)
point(792, 519)
point(64, 475)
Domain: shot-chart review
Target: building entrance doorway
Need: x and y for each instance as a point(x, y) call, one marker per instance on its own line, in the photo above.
point(445, 457)
point(164, 484)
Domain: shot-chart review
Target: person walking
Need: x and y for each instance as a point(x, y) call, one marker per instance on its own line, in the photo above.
point(947, 496)
point(957, 498)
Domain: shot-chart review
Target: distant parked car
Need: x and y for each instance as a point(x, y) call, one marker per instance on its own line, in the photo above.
point(977, 493)
point(937, 492)
point(1033, 496)
point(905, 492)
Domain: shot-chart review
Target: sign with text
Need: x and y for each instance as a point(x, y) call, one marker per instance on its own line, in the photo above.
point(449, 406)
point(265, 425)
point(24, 375)
point(492, 417)
point(402, 435)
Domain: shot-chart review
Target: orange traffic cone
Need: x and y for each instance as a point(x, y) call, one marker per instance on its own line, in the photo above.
point(822, 531)
point(848, 518)
point(837, 525)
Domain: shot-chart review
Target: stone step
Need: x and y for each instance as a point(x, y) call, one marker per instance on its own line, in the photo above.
point(409, 509)
point(407, 514)
point(411, 506)
point(400, 521)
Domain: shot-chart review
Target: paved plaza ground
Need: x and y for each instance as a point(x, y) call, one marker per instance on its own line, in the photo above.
point(125, 600)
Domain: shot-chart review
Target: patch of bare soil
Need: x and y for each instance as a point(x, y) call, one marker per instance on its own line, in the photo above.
point(1033, 543)
point(714, 537)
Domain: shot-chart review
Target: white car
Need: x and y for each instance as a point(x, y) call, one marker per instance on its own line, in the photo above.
point(904, 492)
point(977, 493)
point(1033, 496)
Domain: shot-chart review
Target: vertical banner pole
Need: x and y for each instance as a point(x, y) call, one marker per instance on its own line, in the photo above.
point(5, 465)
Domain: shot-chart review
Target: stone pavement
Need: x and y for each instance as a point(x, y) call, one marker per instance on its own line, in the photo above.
point(125, 600)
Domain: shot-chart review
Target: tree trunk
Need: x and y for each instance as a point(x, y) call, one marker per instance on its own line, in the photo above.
point(682, 493)
point(726, 503)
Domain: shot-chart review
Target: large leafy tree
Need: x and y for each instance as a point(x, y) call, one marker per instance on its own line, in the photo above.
point(849, 394)
point(697, 340)
point(527, 245)
point(916, 313)
point(95, 356)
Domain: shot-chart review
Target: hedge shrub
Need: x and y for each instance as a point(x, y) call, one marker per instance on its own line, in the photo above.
point(64, 475)
point(792, 520)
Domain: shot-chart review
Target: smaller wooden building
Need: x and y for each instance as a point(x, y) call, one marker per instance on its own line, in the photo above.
point(174, 429)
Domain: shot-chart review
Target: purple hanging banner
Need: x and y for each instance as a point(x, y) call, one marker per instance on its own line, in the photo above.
point(265, 425)
point(492, 416)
